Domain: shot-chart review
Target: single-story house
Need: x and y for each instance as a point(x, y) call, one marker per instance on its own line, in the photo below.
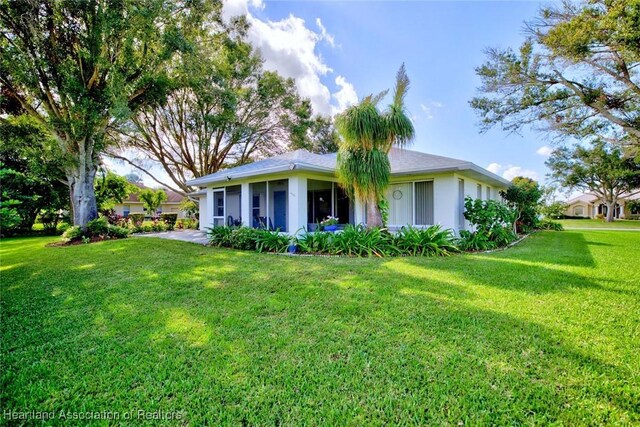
point(133, 205)
point(296, 190)
point(589, 205)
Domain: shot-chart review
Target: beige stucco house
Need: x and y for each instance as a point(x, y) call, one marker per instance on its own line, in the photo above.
point(296, 190)
point(133, 205)
point(589, 206)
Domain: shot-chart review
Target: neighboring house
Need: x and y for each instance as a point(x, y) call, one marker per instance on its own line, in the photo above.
point(297, 190)
point(133, 205)
point(589, 205)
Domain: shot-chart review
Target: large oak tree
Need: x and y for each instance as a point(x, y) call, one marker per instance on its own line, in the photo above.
point(78, 66)
point(223, 110)
point(599, 169)
point(575, 75)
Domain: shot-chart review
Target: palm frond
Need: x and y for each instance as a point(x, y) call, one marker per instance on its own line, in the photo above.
point(361, 126)
point(401, 87)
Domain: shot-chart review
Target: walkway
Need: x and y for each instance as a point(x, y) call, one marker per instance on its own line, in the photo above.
point(193, 236)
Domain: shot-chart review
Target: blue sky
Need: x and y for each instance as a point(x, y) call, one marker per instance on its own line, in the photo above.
point(364, 43)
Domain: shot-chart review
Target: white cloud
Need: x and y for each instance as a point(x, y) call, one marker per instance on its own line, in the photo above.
point(231, 8)
point(346, 96)
point(494, 168)
point(429, 107)
point(545, 151)
point(325, 35)
point(510, 171)
point(289, 47)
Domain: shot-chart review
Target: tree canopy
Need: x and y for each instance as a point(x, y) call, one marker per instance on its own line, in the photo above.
point(152, 199)
point(112, 189)
point(523, 196)
point(576, 74)
point(223, 109)
point(599, 169)
point(30, 170)
point(79, 67)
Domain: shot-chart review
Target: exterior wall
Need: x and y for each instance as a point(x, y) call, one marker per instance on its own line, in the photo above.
point(139, 208)
point(203, 215)
point(587, 209)
point(445, 198)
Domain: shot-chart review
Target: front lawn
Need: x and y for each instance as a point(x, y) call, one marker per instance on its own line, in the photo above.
point(545, 332)
point(598, 223)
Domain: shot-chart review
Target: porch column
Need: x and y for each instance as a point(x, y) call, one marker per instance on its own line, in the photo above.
point(358, 212)
point(245, 205)
point(297, 203)
point(203, 211)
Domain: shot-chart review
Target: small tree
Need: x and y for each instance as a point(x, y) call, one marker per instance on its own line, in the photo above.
point(634, 206)
point(553, 210)
point(523, 196)
point(367, 137)
point(152, 200)
point(598, 169)
point(111, 189)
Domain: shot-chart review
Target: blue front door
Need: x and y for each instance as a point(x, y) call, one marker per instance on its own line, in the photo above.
point(280, 210)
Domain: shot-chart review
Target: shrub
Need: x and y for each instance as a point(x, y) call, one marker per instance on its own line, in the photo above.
point(187, 224)
point(169, 219)
point(157, 226)
point(425, 242)
point(272, 241)
point(360, 241)
point(600, 216)
point(317, 242)
point(136, 218)
point(553, 210)
point(49, 219)
point(219, 236)
point(547, 224)
point(98, 227)
point(118, 232)
point(475, 241)
point(73, 233)
point(487, 215)
point(244, 238)
point(492, 221)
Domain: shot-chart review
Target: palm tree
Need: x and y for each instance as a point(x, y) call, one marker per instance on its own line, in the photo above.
point(367, 136)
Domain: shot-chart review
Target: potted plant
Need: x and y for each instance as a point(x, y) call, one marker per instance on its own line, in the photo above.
point(330, 223)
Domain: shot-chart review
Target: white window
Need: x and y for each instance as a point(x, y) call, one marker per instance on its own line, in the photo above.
point(578, 211)
point(461, 204)
point(423, 203)
point(400, 197)
point(218, 208)
point(479, 190)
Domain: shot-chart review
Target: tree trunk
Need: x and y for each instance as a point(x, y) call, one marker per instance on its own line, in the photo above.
point(374, 217)
point(610, 211)
point(81, 189)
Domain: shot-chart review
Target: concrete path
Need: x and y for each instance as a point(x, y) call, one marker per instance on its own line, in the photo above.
point(193, 236)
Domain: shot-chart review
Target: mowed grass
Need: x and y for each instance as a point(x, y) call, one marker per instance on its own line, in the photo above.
point(545, 332)
point(598, 223)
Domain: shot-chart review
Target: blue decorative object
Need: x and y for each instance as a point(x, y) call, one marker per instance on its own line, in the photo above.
point(292, 248)
point(330, 227)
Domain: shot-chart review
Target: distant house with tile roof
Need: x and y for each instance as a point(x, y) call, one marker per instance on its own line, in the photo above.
point(588, 205)
point(133, 205)
point(297, 190)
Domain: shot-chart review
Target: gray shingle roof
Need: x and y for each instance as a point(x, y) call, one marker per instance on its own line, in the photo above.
point(402, 162)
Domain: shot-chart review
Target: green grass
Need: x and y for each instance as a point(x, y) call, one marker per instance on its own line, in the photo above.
point(545, 332)
point(597, 223)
